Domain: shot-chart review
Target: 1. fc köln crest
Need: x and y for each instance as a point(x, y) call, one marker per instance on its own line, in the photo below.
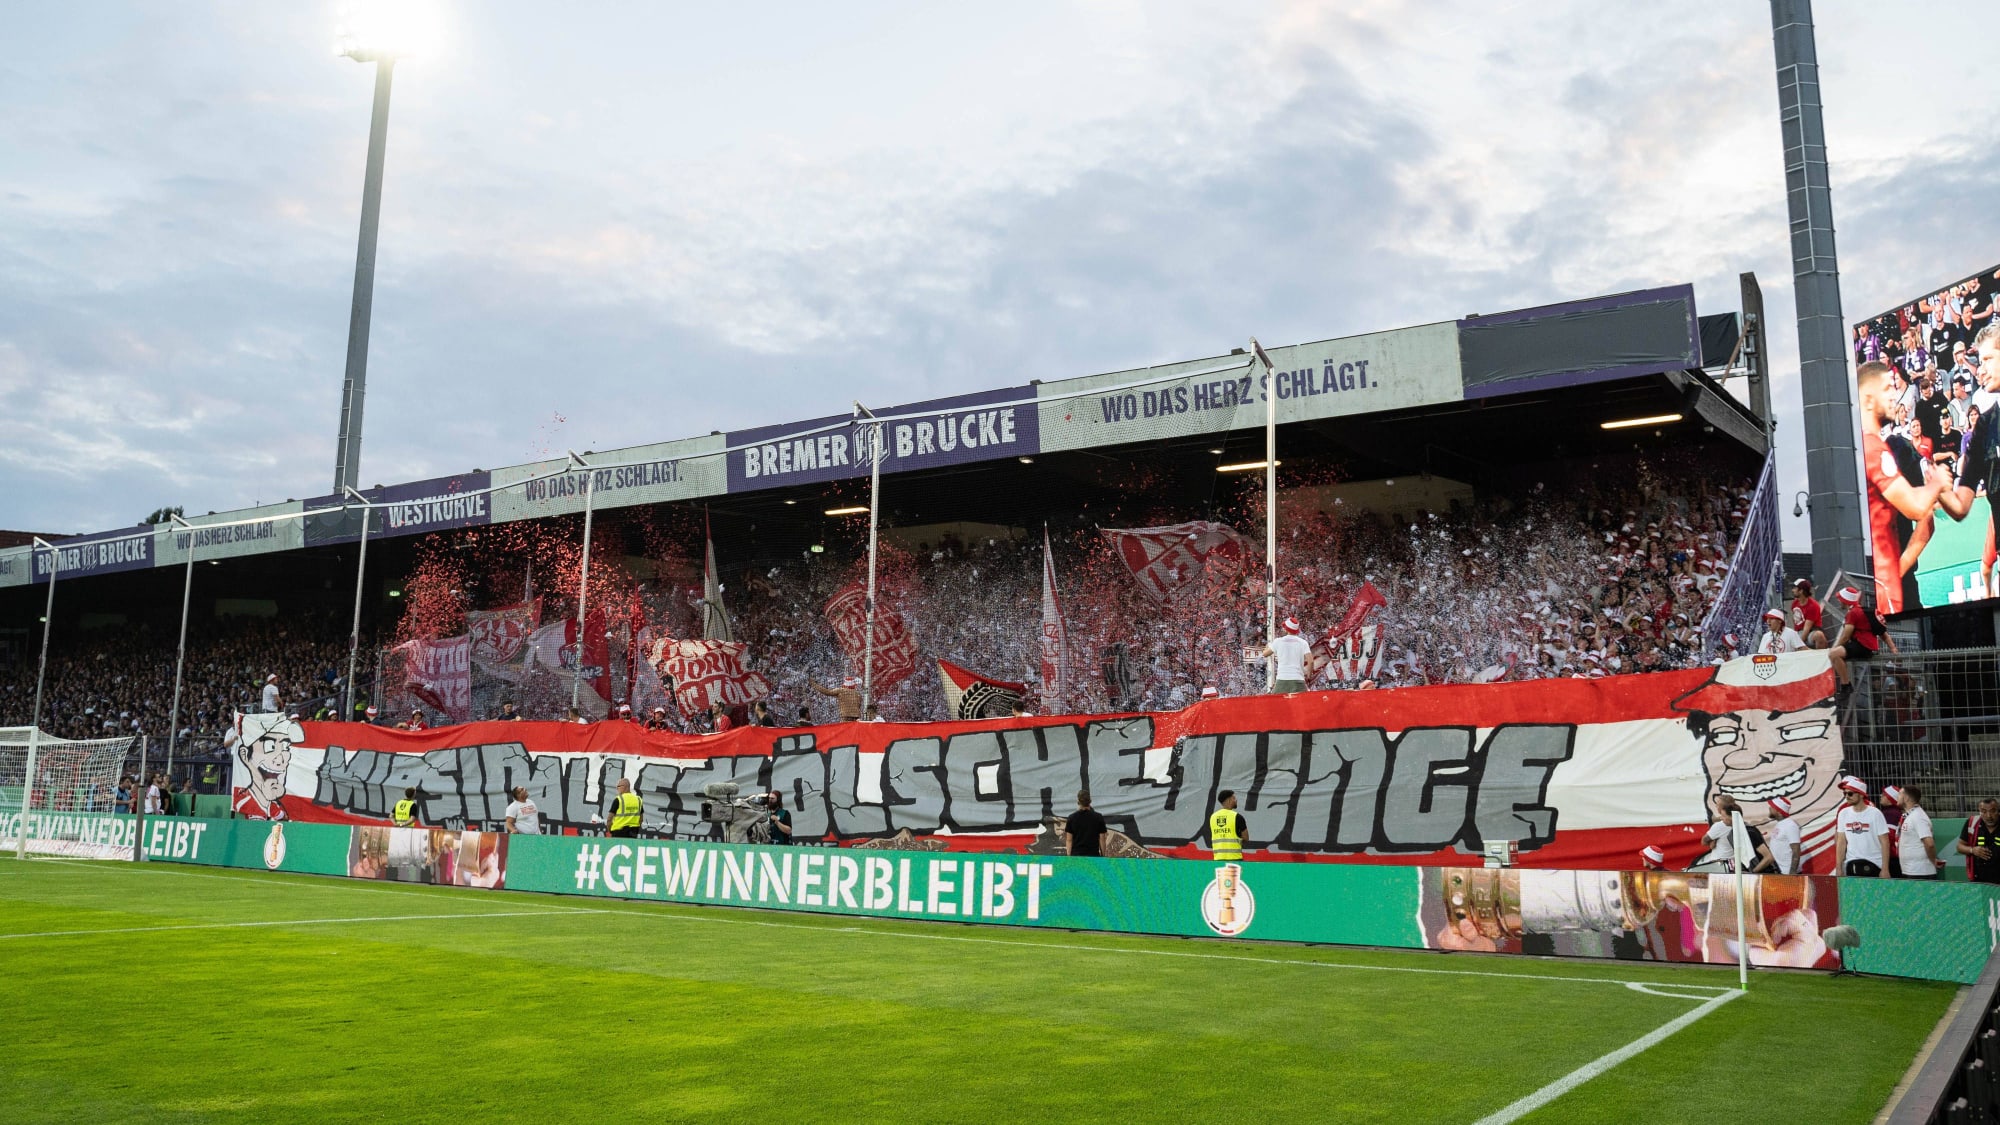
point(1764, 665)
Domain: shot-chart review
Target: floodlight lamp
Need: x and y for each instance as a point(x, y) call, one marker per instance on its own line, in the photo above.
point(385, 30)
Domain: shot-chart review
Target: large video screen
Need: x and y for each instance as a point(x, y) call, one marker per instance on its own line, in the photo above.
point(1929, 454)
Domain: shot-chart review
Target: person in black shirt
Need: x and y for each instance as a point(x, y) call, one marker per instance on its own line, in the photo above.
point(1085, 830)
point(781, 820)
point(1979, 843)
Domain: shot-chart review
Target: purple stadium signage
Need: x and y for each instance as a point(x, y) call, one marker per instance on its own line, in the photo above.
point(105, 552)
point(438, 504)
point(912, 438)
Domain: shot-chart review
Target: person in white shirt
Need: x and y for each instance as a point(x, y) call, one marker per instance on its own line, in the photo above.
point(1914, 843)
point(1778, 637)
point(1860, 835)
point(154, 806)
point(1289, 650)
point(1780, 853)
point(271, 694)
point(523, 819)
point(1719, 841)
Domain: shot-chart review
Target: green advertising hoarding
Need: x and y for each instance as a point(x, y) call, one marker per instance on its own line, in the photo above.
point(1273, 901)
point(1908, 928)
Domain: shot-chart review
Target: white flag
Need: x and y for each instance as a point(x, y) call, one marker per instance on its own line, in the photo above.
point(1055, 638)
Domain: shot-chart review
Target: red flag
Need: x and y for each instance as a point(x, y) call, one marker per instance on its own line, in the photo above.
point(707, 673)
point(499, 634)
point(1166, 560)
point(895, 648)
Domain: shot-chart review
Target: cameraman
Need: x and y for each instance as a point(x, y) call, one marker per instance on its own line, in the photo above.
point(781, 820)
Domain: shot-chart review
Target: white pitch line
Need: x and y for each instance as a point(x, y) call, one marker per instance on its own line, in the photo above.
point(1123, 951)
point(256, 877)
point(248, 878)
point(296, 922)
point(1602, 1063)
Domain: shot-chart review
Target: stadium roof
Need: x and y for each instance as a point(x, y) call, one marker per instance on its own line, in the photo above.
point(1453, 387)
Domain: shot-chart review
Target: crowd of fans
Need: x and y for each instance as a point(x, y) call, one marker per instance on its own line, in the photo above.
point(115, 681)
point(1599, 569)
point(1932, 336)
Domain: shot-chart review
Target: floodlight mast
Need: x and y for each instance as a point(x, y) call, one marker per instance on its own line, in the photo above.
point(347, 449)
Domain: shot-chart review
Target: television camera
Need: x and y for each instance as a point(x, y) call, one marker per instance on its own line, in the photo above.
point(743, 820)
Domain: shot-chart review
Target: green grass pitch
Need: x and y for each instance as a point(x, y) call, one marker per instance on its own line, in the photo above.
point(165, 993)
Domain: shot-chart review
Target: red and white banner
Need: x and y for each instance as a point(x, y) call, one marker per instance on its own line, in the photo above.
point(895, 648)
point(969, 695)
point(1055, 635)
point(1164, 561)
point(440, 674)
point(1352, 649)
point(707, 673)
point(499, 635)
point(1579, 773)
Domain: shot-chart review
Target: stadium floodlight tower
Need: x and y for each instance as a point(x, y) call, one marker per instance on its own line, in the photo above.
point(381, 33)
point(1824, 382)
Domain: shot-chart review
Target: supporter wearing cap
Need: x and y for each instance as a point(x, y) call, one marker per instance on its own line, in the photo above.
point(657, 719)
point(1778, 637)
point(1652, 858)
point(1780, 852)
point(1889, 802)
point(1916, 845)
point(1861, 836)
point(415, 721)
point(270, 700)
point(1289, 649)
point(1862, 634)
point(1807, 615)
point(846, 698)
point(372, 714)
point(1210, 691)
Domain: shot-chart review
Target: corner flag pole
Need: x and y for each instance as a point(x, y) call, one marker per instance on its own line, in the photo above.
point(1270, 508)
point(1739, 845)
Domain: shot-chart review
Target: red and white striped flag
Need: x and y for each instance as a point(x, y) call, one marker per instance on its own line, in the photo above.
point(1055, 635)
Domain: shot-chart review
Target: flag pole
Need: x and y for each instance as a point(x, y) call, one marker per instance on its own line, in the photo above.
point(582, 579)
point(180, 655)
point(360, 577)
point(874, 524)
point(35, 720)
point(1270, 508)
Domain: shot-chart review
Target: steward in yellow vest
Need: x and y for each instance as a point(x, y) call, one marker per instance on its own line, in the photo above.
point(1227, 830)
point(405, 813)
point(625, 810)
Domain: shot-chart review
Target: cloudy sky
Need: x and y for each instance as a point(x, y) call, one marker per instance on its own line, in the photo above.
point(634, 222)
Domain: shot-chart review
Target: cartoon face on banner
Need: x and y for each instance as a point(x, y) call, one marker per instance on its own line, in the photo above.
point(1768, 729)
point(263, 749)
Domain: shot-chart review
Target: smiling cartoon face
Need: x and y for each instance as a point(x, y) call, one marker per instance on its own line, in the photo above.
point(1754, 756)
point(264, 747)
point(267, 759)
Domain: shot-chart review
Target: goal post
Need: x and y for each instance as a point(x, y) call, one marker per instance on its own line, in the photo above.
point(57, 795)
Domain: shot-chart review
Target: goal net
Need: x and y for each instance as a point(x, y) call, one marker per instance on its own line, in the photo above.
point(65, 798)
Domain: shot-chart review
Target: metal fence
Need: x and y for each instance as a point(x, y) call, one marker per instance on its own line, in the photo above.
point(1754, 570)
point(1932, 718)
